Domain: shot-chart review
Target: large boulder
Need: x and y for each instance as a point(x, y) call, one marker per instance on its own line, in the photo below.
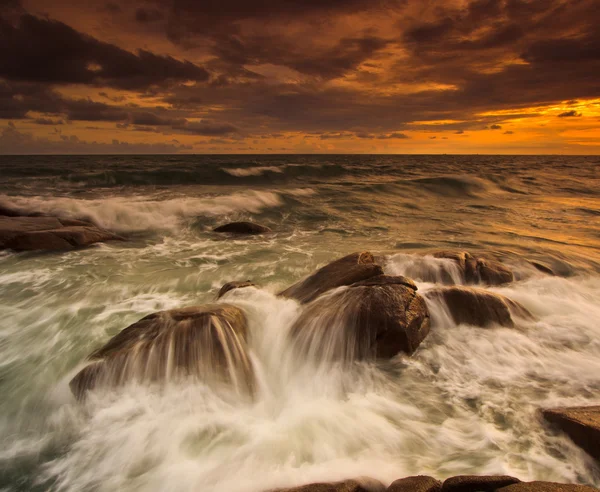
point(209, 342)
point(49, 233)
point(376, 318)
point(249, 228)
point(546, 487)
point(358, 485)
point(478, 307)
point(581, 424)
point(344, 271)
point(477, 270)
point(477, 483)
point(416, 484)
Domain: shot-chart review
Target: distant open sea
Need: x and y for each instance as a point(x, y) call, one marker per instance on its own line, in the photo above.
point(465, 403)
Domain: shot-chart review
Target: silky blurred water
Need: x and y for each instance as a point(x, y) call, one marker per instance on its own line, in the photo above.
point(466, 402)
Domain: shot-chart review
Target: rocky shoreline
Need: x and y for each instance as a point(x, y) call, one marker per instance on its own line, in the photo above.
point(379, 316)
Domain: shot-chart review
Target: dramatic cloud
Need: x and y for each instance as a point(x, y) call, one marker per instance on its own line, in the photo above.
point(47, 51)
point(343, 75)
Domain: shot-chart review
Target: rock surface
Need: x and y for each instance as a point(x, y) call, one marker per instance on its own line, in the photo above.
point(416, 484)
point(358, 485)
point(581, 424)
point(208, 341)
point(234, 285)
point(475, 483)
point(546, 487)
point(376, 318)
point(49, 233)
point(478, 307)
point(243, 228)
point(478, 270)
point(344, 271)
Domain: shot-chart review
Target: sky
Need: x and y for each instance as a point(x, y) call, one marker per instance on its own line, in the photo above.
point(300, 76)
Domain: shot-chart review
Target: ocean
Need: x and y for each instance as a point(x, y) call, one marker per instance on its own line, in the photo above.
point(465, 403)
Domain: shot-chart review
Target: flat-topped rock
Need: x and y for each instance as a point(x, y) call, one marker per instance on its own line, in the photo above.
point(49, 233)
point(249, 228)
point(348, 270)
point(377, 318)
point(476, 483)
point(581, 424)
point(478, 307)
point(208, 342)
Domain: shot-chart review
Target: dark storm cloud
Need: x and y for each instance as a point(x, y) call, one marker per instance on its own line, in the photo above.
point(47, 121)
point(495, 127)
point(149, 118)
point(568, 114)
point(48, 51)
point(207, 128)
point(148, 15)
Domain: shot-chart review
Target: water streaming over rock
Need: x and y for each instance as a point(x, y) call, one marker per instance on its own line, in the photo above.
point(465, 402)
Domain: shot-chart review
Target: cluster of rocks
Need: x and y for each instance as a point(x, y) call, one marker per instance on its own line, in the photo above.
point(378, 316)
point(37, 232)
point(462, 483)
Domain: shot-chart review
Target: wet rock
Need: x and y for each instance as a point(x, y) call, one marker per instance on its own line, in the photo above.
point(358, 485)
point(376, 318)
point(546, 487)
point(242, 228)
point(416, 484)
point(208, 342)
point(478, 270)
point(345, 271)
point(543, 268)
point(474, 483)
point(234, 285)
point(49, 233)
point(581, 424)
point(478, 307)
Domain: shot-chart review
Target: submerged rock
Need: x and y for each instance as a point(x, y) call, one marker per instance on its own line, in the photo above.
point(243, 228)
point(49, 233)
point(358, 485)
point(478, 307)
point(209, 342)
point(416, 484)
point(581, 424)
point(344, 271)
point(478, 270)
point(234, 285)
point(546, 487)
point(476, 483)
point(376, 318)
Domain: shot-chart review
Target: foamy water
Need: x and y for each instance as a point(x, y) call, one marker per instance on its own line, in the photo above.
point(466, 402)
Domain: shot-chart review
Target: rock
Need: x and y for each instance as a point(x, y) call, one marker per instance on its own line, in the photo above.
point(416, 484)
point(478, 307)
point(243, 228)
point(546, 487)
point(209, 342)
point(581, 424)
point(474, 483)
point(234, 285)
point(543, 268)
point(49, 233)
point(358, 485)
point(478, 270)
point(377, 318)
point(344, 271)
